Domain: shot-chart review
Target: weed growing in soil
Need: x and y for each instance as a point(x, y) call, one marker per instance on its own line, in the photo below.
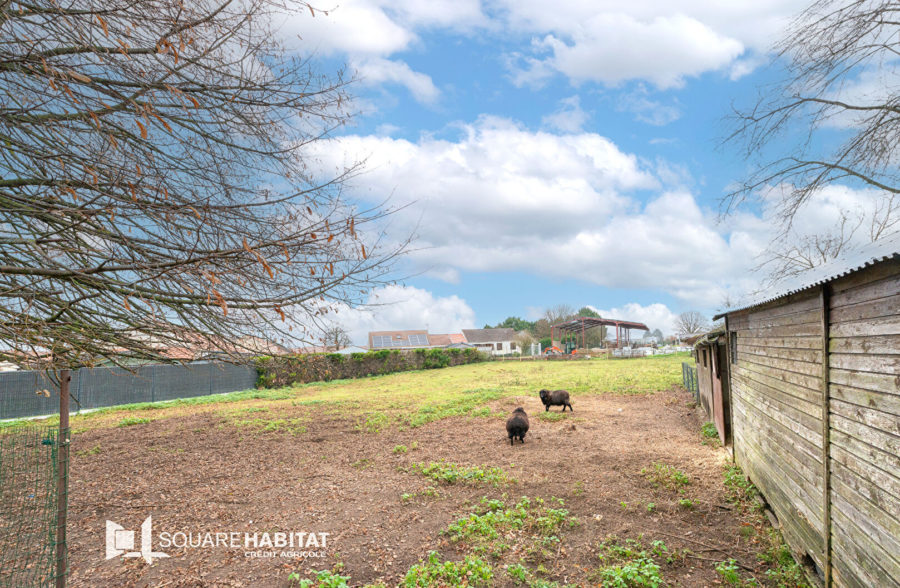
point(666, 476)
point(553, 417)
point(627, 564)
point(531, 523)
point(785, 571)
point(324, 579)
point(129, 421)
point(686, 503)
point(374, 422)
point(293, 426)
point(731, 573)
point(472, 571)
point(400, 449)
point(451, 473)
point(429, 491)
point(362, 464)
point(740, 490)
point(710, 435)
point(92, 451)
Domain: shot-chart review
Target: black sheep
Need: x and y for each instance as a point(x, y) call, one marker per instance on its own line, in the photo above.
point(517, 425)
point(556, 398)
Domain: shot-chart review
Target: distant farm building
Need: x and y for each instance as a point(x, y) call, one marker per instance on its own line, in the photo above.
point(805, 386)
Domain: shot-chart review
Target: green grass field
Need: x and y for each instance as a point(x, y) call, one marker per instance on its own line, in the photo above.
point(407, 399)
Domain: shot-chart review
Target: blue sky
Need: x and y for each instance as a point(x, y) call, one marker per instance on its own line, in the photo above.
point(553, 153)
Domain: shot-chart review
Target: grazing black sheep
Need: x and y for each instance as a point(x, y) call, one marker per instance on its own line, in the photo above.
point(517, 425)
point(556, 398)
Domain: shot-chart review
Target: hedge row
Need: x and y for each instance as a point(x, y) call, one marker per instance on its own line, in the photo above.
point(283, 370)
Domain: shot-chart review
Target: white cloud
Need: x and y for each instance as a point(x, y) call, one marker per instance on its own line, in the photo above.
point(405, 307)
point(655, 316)
point(646, 109)
point(604, 41)
point(609, 41)
point(573, 206)
point(613, 48)
point(569, 117)
point(355, 27)
point(369, 32)
point(376, 71)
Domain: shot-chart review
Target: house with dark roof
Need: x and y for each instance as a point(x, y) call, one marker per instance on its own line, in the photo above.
point(804, 384)
point(493, 341)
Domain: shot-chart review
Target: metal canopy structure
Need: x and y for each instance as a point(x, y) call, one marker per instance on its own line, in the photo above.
point(582, 323)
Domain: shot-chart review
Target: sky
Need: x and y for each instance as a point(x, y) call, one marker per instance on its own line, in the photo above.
point(545, 153)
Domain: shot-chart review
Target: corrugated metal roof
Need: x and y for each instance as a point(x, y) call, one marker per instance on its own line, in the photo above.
point(850, 261)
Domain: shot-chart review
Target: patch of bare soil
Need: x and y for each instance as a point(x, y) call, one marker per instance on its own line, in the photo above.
point(203, 474)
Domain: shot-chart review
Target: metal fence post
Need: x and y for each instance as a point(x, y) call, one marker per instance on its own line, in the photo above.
point(62, 479)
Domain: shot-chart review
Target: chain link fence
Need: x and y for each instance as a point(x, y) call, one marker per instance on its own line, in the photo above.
point(31, 393)
point(29, 506)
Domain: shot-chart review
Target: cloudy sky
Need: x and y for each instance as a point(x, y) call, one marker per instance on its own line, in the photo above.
point(547, 153)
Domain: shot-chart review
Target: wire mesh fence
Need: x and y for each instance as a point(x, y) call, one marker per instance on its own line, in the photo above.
point(29, 506)
point(31, 393)
point(689, 379)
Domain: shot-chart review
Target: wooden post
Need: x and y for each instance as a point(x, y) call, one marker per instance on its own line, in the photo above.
point(824, 299)
point(62, 464)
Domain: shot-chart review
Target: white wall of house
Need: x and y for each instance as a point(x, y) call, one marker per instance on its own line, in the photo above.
point(498, 347)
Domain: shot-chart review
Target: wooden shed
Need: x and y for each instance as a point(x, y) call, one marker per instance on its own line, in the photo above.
point(814, 374)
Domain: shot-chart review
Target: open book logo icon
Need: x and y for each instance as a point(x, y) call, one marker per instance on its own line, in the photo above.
point(120, 542)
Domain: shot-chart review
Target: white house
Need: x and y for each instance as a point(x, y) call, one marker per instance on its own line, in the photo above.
point(493, 341)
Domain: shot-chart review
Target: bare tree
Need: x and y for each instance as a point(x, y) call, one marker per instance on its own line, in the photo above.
point(155, 186)
point(523, 341)
point(691, 323)
point(793, 256)
point(558, 313)
point(336, 337)
point(833, 52)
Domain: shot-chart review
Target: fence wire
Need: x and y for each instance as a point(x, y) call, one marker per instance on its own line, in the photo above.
point(28, 507)
point(31, 393)
point(689, 379)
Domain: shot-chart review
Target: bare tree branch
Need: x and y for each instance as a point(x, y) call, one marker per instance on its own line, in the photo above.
point(156, 186)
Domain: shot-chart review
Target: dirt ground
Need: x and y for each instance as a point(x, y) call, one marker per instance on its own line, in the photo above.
point(200, 474)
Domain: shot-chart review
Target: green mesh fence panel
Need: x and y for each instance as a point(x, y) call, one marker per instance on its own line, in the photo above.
point(28, 507)
point(689, 379)
point(22, 393)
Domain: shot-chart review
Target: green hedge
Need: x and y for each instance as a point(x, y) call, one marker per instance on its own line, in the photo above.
point(283, 370)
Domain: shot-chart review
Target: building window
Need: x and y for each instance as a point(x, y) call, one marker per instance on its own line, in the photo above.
point(704, 357)
point(512, 346)
point(733, 344)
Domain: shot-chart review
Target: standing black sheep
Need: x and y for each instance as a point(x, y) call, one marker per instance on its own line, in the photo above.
point(556, 398)
point(517, 425)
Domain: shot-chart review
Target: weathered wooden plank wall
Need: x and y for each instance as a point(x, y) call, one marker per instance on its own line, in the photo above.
point(864, 359)
point(777, 393)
